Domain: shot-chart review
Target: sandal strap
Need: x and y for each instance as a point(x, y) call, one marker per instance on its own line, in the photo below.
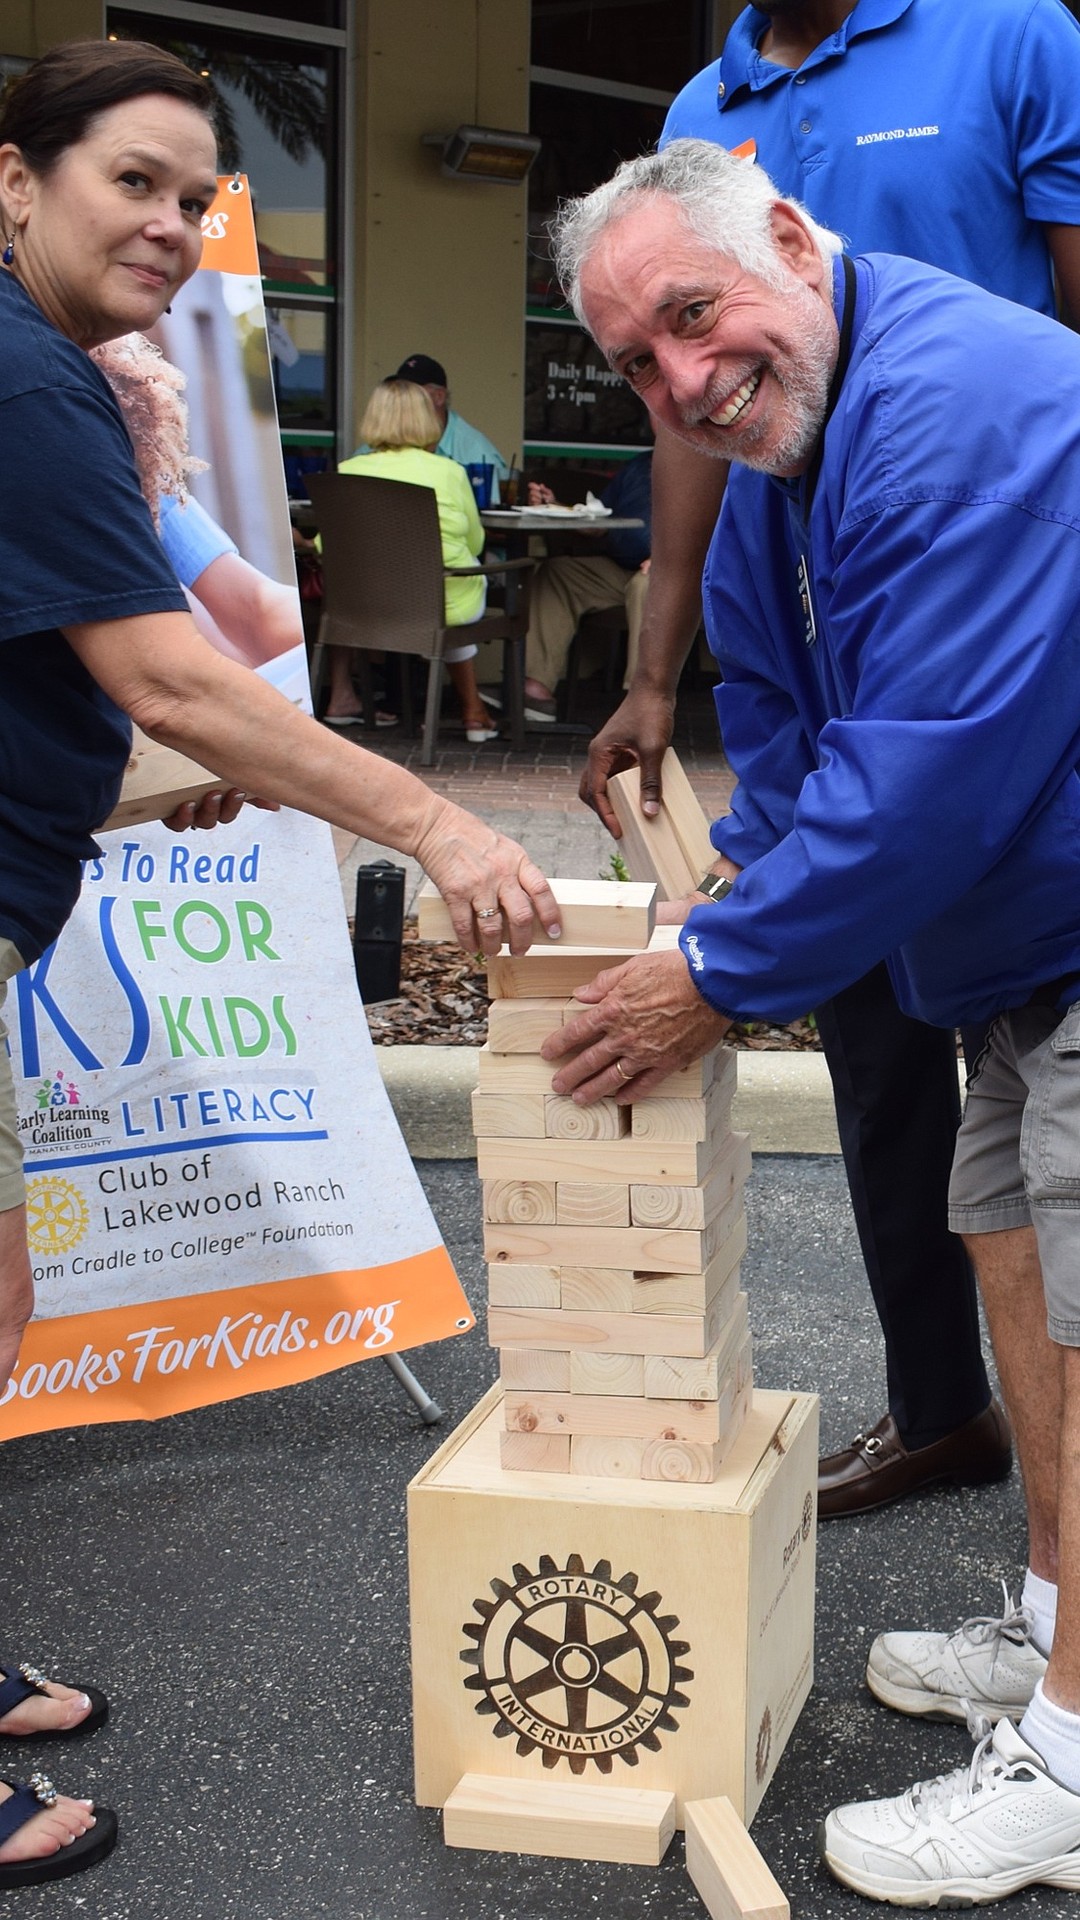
point(19, 1682)
point(26, 1800)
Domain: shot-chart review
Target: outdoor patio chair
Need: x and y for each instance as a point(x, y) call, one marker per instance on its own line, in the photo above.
point(383, 579)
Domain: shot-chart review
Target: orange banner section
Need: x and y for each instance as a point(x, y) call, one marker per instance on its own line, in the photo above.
point(229, 241)
point(142, 1361)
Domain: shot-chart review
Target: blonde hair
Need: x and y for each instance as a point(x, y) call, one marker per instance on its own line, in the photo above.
point(400, 414)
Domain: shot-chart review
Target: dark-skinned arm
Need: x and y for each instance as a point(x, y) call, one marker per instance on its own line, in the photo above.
point(1064, 245)
point(687, 488)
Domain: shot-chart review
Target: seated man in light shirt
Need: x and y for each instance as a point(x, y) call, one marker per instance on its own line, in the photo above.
point(460, 441)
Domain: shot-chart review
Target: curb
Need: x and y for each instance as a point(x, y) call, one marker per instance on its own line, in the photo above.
point(784, 1101)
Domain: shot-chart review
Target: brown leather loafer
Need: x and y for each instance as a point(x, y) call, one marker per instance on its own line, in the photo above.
point(877, 1467)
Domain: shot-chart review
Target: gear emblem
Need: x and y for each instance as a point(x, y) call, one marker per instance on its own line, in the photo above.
point(576, 1665)
point(764, 1746)
point(807, 1516)
point(56, 1215)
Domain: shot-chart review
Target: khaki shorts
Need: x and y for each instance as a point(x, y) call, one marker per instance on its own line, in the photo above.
point(1017, 1158)
point(12, 1187)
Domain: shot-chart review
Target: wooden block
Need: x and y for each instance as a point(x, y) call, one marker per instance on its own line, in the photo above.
point(683, 1163)
point(607, 1373)
point(668, 1206)
point(692, 1462)
point(688, 1119)
point(156, 781)
point(691, 1292)
point(597, 1289)
point(608, 1457)
point(524, 1286)
point(592, 1203)
point(651, 848)
point(613, 914)
point(548, 972)
point(560, 1820)
point(528, 1073)
point(676, 1377)
point(630, 1416)
point(636, 1247)
point(565, 1120)
point(508, 1116)
point(522, 1026)
point(690, 820)
point(535, 1452)
point(726, 1867)
point(689, 1336)
point(535, 1370)
point(523, 1203)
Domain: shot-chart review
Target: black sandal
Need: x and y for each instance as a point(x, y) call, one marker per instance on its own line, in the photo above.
point(88, 1850)
point(20, 1680)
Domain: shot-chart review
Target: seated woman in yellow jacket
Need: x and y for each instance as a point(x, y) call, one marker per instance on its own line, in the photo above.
point(401, 427)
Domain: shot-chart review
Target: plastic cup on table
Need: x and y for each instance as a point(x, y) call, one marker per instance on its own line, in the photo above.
point(482, 477)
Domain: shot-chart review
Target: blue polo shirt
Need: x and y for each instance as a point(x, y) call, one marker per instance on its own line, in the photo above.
point(931, 128)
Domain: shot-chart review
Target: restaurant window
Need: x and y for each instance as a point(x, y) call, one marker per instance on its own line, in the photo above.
point(279, 117)
point(603, 75)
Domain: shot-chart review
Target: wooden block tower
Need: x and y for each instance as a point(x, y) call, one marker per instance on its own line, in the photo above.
point(612, 1557)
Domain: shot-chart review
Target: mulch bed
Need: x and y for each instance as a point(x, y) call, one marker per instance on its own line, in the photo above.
point(443, 1003)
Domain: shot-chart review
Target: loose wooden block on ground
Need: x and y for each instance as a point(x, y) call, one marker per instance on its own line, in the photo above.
point(607, 1373)
point(499, 1558)
point(676, 1377)
point(726, 1867)
point(686, 1335)
point(521, 1026)
point(597, 1289)
point(560, 1820)
point(591, 1203)
point(636, 1247)
point(524, 1287)
point(565, 1120)
point(524, 1202)
point(508, 1116)
point(535, 1452)
point(534, 1369)
point(592, 913)
point(157, 780)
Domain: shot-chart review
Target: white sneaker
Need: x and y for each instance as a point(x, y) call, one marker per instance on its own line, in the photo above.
point(990, 1663)
point(969, 1836)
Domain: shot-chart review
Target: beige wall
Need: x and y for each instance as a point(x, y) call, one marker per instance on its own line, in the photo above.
point(30, 27)
point(440, 264)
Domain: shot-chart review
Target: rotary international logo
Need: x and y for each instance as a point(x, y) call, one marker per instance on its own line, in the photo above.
point(579, 1666)
point(57, 1216)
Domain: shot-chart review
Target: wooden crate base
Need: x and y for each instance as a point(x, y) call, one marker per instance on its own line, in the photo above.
point(526, 1588)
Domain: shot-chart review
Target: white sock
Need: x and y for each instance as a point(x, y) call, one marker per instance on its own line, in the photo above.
point(1055, 1736)
point(1040, 1598)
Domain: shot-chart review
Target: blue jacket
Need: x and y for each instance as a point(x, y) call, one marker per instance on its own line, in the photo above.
point(905, 719)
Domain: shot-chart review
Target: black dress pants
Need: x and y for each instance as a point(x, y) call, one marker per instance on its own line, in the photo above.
point(898, 1109)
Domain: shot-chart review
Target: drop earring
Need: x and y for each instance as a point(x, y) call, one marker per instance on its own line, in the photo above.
point(8, 254)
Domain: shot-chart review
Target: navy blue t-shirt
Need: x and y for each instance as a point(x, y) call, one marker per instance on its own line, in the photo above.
point(77, 544)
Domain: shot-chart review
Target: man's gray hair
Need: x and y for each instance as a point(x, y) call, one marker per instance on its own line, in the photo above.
point(725, 201)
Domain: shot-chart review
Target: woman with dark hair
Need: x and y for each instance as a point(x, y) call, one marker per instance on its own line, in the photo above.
point(107, 167)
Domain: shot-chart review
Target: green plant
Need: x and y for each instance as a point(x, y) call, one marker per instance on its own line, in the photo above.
point(616, 868)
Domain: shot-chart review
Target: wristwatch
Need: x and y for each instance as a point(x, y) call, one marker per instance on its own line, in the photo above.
point(715, 886)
